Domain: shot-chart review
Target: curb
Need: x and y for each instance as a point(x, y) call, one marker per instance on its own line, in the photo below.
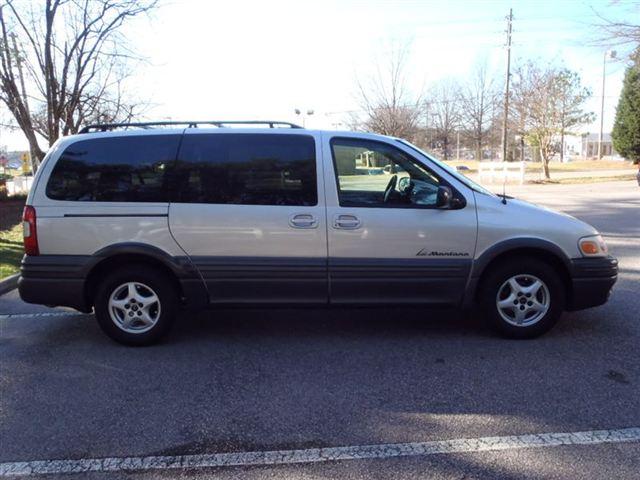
point(9, 283)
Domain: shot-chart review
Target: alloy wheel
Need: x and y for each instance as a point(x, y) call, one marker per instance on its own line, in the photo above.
point(523, 300)
point(134, 307)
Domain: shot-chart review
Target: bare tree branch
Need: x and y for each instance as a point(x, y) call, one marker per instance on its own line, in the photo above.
point(388, 107)
point(479, 101)
point(443, 105)
point(75, 58)
point(613, 33)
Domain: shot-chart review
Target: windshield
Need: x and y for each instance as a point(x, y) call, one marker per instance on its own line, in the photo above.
point(466, 180)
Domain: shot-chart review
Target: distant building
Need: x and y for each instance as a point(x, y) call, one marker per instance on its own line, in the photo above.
point(589, 146)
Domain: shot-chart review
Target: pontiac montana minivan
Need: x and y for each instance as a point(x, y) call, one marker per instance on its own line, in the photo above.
point(138, 221)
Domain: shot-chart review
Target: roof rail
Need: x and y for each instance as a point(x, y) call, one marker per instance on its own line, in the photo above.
point(104, 127)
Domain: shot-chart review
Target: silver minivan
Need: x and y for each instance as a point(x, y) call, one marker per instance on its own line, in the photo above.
point(138, 223)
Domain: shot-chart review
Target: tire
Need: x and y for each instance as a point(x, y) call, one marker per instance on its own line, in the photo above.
point(126, 306)
point(531, 295)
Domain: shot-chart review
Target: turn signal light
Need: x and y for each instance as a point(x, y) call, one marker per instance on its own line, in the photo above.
point(592, 246)
point(589, 248)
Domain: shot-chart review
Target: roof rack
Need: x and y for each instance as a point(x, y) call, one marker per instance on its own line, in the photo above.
point(104, 127)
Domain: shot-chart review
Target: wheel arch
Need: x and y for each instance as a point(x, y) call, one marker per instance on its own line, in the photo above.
point(512, 249)
point(114, 256)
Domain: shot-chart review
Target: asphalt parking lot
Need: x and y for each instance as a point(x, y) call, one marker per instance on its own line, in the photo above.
point(297, 381)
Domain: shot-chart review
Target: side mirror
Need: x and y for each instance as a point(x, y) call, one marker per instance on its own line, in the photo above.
point(444, 197)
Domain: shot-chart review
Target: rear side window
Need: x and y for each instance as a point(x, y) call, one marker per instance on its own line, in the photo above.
point(114, 169)
point(246, 169)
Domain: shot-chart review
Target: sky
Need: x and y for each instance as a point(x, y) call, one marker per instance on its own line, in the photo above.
point(243, 59)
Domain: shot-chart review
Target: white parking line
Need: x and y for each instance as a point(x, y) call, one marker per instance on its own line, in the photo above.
point(313, 455)
point(42, 314)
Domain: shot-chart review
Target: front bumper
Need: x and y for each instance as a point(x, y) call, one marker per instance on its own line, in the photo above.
point(591, 281)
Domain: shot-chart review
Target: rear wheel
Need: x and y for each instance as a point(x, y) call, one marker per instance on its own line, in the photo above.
point(136, 305)
point(523, 298)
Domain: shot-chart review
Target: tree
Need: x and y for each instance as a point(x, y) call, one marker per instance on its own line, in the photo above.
point(389, 107)
point(571, 96)
point(546, 103)
point(444, 108)
point(478, 100)
point(63, 64)
point(618, 32)
point(626, 127)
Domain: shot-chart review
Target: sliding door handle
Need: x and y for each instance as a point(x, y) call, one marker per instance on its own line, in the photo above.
point(303, 220)
point(346, 222)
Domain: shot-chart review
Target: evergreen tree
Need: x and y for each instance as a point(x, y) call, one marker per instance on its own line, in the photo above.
point(626, 129)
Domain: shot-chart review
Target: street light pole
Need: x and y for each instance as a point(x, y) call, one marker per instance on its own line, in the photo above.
point(611, 54)
point(303, 115)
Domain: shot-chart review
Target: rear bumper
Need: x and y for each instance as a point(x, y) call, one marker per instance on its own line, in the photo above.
point(51, 292)
point(54, 280)
point(591, 281)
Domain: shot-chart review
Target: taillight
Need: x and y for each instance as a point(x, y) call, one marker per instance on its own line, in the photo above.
point(30, 231)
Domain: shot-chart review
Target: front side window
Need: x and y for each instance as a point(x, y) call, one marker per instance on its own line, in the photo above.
point(375, 174)
point(114, 169)
point(246, 169)
point(452, 171)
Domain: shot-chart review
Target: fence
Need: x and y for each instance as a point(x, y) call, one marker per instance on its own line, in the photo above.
point(502, 171)
point(19, 185)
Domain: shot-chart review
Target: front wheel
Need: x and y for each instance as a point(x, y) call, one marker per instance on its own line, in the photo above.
point(523, 298)
point(136, 305)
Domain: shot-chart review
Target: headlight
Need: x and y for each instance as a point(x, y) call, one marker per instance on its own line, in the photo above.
point(593, 246)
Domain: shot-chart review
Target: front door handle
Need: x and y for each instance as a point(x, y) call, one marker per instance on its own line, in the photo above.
point(303, 220)
point(346, 222)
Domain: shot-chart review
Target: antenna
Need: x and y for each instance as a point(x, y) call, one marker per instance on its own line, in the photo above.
point(504, 187)
point(506, 105)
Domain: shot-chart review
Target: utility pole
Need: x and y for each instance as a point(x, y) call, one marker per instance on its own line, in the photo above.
point(506, 87)
point(610, 54)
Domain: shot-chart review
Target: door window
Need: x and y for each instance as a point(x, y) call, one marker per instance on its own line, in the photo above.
point(246, 169)
point(375, 174)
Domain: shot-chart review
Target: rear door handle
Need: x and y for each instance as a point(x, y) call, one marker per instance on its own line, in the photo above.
point(303, 220)
point(346, 222)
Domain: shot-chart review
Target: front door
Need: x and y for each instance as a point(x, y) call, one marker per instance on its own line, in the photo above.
point(247, 209)
point(388, 241)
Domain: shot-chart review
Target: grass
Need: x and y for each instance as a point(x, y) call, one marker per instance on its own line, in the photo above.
point(10, 236)
point(590, 165)
point(574, 166)
point(10, 250)
point(570, 181)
